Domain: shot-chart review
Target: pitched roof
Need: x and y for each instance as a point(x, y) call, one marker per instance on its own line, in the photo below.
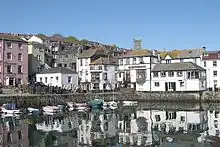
point(62, 70)
point(190, 53)
point(182, 66)
point(90, 52)
point(11, 38)
point(103, 61)
point(137, 53)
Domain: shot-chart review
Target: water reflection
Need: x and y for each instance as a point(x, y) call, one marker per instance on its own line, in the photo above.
point(127, 126)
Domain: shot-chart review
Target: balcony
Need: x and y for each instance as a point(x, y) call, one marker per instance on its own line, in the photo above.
point(96, 68)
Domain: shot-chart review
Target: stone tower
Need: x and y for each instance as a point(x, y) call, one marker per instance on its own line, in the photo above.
point(137, 44)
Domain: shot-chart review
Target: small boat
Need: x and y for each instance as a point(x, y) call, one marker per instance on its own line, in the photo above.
point(81, 106)
point(70, 106)
point(33, 111)
point(10, 109)
point(129, 103)
point(96, 103)
point(110, 105)
point(53, 109)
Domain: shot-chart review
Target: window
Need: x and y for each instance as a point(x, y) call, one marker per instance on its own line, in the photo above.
point(204, 63)
point(9, 69)
point(19, 57)
point(105, 76)
point(127, 60)
point(141, 60)
point(182, 118)
point(181, 84)
point(19, 69)
point(193, 75)
point(9, 56)
point(104, 86)
point(20, 45)
point(57, 78)
point(121, 61)
point(155, 74)
point(66, 56)
point(69, 80)
point(141, 74)
point(9, 44)
point(214, 73)
point(163, 74)
point(171, 74)
point(134, 60)
point(168, 61)
point(157, 117)
point(96, 86)
point(40, 79)
point(156, 84)
point(45, 79)
point(194, 60)
point(86, 62)
point(203, 83)
point(179, 73)
point(181, 60)
point(65, 65)
point(215, 83)
point(120, 74)
point(60, 65)
point(214, 63)
point(38, 57)
point(80, 62)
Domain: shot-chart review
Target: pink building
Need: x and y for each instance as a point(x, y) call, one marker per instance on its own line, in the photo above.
point(13, 60)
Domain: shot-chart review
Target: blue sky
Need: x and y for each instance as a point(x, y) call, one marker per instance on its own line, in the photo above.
point(170, 24)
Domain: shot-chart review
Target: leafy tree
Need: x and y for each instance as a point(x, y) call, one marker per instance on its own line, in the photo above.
point(72, 39)
point(83, 42)
point(41, 35)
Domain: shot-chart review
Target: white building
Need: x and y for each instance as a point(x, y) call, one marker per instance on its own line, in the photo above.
point(58, 76)
point(211, 62)
point(184, 76)
point(103, 74)
point(83, 66)
point(134, 69)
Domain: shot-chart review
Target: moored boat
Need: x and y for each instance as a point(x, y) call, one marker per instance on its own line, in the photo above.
point(10, 109)
point(81, 106)
point(129, 103)
point(52, 109)
point(96, 103)
point(33, 110)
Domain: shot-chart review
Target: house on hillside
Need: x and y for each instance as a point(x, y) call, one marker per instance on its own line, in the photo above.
point(135, 68)
point(85, 58)
point(58, 76)
point(211, 62)
point(14, 57)
point(184, 76)
point(103, 74)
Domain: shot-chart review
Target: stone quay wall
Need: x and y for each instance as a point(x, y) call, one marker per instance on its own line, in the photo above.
point(41, 100)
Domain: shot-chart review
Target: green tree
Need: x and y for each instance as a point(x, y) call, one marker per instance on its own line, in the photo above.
point(83, 42)
point(72, 39)
point(41, 35)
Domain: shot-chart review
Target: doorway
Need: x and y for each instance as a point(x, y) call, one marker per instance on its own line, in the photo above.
point(170, 86)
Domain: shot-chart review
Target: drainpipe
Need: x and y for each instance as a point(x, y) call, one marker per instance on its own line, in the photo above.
point(3, 62)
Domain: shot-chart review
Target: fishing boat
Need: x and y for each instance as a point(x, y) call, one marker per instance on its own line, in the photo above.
point(81, 106)
point(96, 103)
point(110, 105)
point(129, 103)
point(33, 111)
point(70, 106)
point(10, 109)
point(53, 109)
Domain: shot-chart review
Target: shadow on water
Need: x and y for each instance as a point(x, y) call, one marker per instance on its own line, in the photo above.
point(147, 124)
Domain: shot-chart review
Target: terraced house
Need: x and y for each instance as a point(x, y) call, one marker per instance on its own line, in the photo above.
point(13, 60)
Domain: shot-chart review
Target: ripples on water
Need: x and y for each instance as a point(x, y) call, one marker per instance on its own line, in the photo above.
point(148, 124)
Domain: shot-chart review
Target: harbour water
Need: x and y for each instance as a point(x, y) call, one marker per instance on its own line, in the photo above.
point(147, 124)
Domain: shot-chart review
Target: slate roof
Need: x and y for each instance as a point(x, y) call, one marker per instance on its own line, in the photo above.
point(62, 70)
point(11, 38)
point(91, 52)
point(190, 53)
point(137, 53)
point(182, 66)
point(103, 61)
